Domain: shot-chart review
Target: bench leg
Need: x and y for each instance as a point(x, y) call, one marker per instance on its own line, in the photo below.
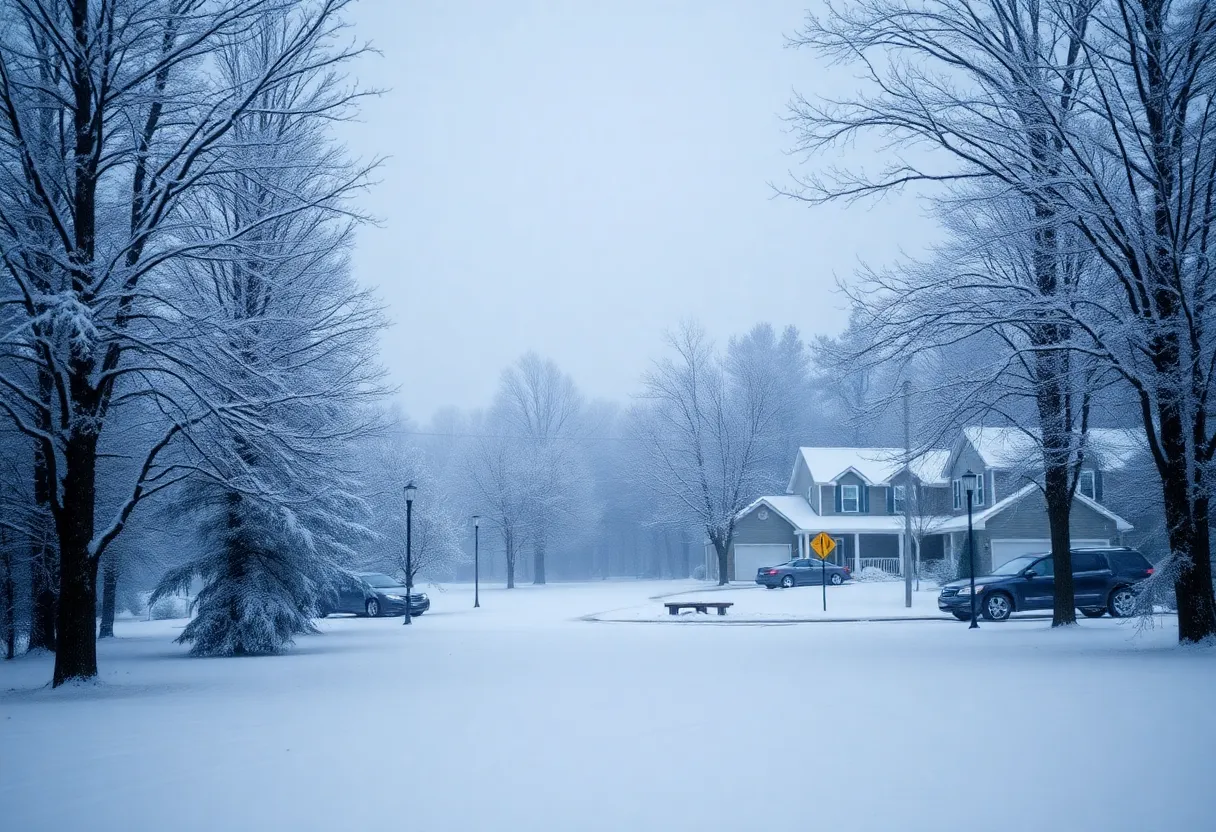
point(702, 610)
point(673, 610)
point(721, 610)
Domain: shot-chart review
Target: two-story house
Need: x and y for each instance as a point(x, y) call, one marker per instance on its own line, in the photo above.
point(859, 496)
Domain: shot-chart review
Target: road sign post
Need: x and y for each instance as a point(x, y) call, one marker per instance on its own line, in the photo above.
point(823, 545)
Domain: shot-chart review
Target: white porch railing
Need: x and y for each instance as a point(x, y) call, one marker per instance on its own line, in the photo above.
point(888, 565)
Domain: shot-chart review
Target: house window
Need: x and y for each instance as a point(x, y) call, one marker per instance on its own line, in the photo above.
point(898, 499)
point(1087, 485)
point(850, 500)
point(979, 489)
point(958, 494)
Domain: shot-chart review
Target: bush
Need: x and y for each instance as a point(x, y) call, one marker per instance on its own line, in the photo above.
point(941, 571)
point(171, 606)
point(872, 574)
point(698, 572)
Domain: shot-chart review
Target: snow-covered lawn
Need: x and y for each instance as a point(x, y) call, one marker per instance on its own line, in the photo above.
point(522, 716)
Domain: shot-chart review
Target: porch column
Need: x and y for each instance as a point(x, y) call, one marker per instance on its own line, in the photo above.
point(901, 555)
point(804, 546)
point(857, 553)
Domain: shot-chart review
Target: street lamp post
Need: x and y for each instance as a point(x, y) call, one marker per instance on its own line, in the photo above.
point(410, 491)
point(476, 563)
point(969, 483)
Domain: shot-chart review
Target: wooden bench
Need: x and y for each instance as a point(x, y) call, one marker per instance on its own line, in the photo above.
point(674, 607)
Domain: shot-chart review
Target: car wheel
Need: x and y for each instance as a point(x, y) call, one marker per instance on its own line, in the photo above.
point(963, 616)
point(835, 580)
point(1093, 612)
point(787, 581)
point(372, 608)
point(1122, 602)
point(997, 606)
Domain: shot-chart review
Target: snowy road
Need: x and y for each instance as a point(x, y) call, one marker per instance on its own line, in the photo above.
point(519, 716)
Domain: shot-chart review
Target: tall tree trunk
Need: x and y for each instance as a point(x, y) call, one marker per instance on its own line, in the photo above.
point(538, 556)
point(509, 541)
point(1181, 389)
point(1188, 525)
point(44, 566)
point(109, 586)
point(721, 549)
point(685, 561)
point(1059, 508)
point(76, 656)
point(8, 598)
point(44, 576)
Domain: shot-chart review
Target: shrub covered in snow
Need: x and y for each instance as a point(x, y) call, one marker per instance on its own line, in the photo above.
point(170, 606)
point(873, 574)
point(941, 571)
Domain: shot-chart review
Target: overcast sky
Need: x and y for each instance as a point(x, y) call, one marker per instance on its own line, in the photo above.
point(576, 177)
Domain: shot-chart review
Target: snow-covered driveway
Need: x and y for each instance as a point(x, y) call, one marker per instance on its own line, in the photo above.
point(520, 716)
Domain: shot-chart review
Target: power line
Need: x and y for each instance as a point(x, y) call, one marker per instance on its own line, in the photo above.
point(521, 438)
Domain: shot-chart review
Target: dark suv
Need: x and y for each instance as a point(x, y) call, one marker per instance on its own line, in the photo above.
point(1103, 579)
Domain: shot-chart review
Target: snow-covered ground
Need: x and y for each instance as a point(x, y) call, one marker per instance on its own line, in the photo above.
point(880, 600)
point(524, 716)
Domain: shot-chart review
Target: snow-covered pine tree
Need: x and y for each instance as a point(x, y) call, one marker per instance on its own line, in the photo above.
point(272, 490)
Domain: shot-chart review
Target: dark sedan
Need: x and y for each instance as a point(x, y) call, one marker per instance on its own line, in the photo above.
point(1103, 579)
point(802, 572)
point(373, 594)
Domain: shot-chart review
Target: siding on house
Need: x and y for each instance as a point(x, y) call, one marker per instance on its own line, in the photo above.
point(880, 545)
point(827, 499)
point(1006, 483)
point(1028, 520)
point(751, 529)
point(966, 458)
point(933, 547)
point(802, 477)
point(829, 495)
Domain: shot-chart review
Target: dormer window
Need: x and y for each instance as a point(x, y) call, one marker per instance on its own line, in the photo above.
point(897, 499)
point(850, 499)
point(1088, 485)
point(979, 489)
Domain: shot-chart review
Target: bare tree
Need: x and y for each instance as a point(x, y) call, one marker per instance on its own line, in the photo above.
point(706, 437)
point(539, 410)
point(982, 82)
point(91, 217)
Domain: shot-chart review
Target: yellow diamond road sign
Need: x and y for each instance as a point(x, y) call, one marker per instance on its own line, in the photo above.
point(823, 545)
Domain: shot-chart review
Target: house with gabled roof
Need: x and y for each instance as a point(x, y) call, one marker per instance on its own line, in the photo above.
point(859, 497)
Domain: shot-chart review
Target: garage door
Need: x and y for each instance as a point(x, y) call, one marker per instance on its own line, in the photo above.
point(1004, 551)
point(752, 556)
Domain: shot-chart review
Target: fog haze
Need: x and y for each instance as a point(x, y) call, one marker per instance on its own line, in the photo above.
point(575, 178)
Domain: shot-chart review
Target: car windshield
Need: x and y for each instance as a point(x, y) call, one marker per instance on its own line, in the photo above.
point(1015, 566)
point(380, 581)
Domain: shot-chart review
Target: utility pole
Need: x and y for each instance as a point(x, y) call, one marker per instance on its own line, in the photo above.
point(908, 486)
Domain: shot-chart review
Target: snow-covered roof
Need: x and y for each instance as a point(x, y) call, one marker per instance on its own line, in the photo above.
point(980, 518)
point(874, 465)
point(796, 511)
point(1014, 448)
point(930, 467)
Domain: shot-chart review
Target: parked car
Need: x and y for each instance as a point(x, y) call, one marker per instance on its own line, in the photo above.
point(373, 594)
point(802, 572)
point(1104, 581)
